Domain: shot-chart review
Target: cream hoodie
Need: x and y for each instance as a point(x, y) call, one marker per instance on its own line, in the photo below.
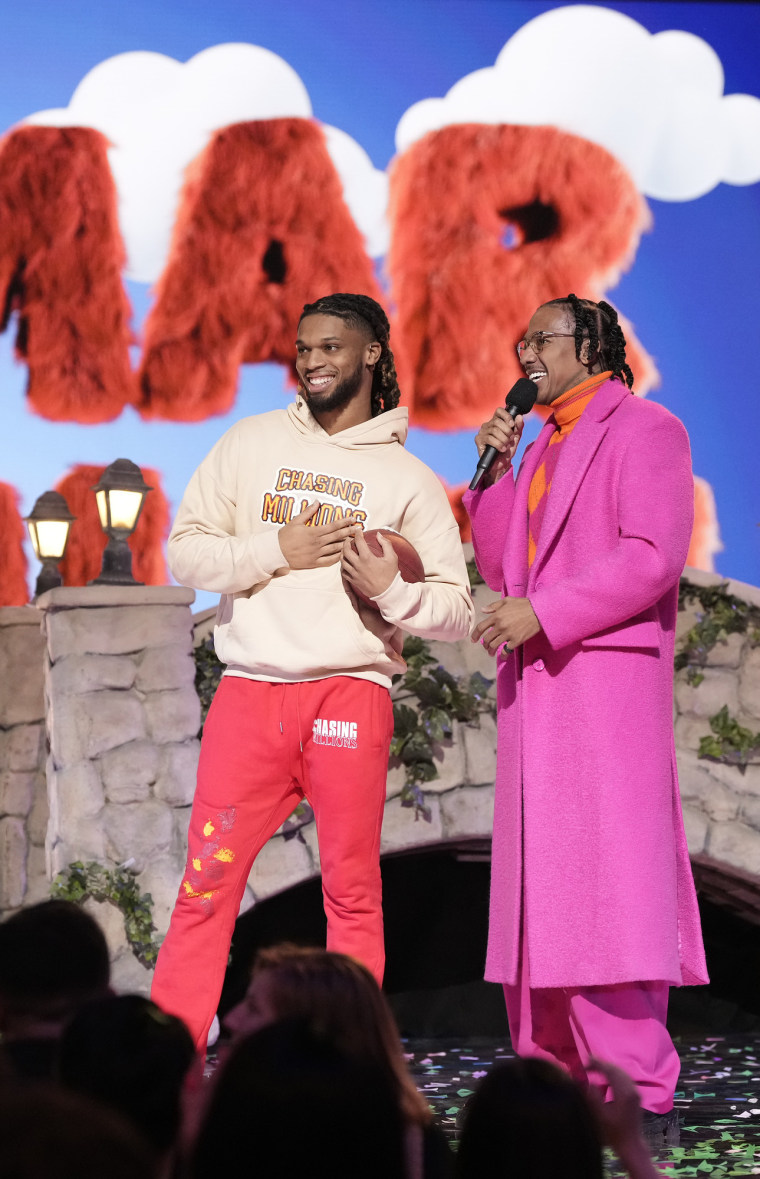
point(282, 624)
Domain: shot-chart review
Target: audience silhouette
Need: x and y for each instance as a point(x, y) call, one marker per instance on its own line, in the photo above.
point(313, 1080)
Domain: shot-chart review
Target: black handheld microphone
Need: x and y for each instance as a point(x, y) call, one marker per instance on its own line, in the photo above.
point(520, 400)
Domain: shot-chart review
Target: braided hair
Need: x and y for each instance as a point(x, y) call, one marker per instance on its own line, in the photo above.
point(359, 311)
point(598, 323)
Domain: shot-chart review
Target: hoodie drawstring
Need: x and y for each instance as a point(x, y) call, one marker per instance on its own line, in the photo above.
point(283, 688)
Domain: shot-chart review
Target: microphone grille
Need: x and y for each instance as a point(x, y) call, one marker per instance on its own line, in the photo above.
point(523, 395)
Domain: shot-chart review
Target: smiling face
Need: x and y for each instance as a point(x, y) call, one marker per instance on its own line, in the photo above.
point(555, 368)
point(335, 363)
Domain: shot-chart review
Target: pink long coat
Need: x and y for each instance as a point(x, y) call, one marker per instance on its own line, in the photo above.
point(588, 811)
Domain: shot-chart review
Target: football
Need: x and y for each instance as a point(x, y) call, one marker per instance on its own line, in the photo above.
point(409, 564)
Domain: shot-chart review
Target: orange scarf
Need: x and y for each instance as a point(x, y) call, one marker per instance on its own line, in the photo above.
point(566, 413)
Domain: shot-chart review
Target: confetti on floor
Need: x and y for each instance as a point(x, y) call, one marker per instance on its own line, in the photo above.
point(718, 1098)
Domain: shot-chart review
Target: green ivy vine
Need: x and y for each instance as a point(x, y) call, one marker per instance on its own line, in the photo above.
point(428, 699)
point(719, 615)
point(474, 574)
point(208, 673)
point(80, 881)
point(730, 742)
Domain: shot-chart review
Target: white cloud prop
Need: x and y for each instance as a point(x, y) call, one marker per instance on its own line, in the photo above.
point(159, 113)
point(654, 101)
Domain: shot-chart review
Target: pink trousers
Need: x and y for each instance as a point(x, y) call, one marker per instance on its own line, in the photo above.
point(265, 747)
point(622, 1024)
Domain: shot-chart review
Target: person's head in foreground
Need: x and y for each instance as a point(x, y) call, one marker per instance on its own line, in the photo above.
point(46, 1133)
point(529, 1118)
point(124, 1051)
point(287, 1103)
point(341, 999)
point(569, 340)
point(53, 960)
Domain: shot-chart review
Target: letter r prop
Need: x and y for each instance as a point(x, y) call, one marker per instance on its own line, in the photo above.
point(511, 217)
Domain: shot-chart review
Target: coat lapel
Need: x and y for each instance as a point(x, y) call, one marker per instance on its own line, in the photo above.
point(577, 454)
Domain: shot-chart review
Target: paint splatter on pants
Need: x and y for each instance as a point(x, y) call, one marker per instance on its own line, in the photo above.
point(267, 746)
point(622, 1024)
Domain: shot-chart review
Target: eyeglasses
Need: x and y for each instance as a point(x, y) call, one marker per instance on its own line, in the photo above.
point(538, 341)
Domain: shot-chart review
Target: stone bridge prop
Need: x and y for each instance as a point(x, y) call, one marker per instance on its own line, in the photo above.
point(98, 751)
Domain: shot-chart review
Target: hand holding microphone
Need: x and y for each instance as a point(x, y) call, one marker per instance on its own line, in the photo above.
point(498, 436)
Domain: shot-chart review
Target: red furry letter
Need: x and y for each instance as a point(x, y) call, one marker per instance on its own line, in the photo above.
point(87, 540)
point(705, 536)
point(487, 224)
point(60, 261)
point(460, 512)
point(262, 229)
point(13, 587)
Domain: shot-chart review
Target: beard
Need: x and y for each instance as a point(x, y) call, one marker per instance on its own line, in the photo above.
point(343, 392)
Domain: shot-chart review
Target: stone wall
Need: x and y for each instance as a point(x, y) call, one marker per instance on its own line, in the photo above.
point(122, 721)
point(721, 803)
point(23, 791)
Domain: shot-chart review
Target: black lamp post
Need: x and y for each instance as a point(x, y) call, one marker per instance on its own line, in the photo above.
point(49, 523)
point(119, 495)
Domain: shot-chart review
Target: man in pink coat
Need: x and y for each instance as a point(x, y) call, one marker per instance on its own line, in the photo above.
point(593, 909)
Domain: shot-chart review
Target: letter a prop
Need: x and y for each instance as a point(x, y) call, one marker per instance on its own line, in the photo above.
point(262, 229)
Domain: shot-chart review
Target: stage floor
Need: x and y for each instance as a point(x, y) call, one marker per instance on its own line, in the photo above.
point(718, 1097)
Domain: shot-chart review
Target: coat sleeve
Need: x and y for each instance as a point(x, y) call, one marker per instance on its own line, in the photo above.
point(655, 505)
point(440, 607)
point(489, 511)
point(203, 550)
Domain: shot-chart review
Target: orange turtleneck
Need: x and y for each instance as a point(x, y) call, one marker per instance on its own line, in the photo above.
point(566, 412)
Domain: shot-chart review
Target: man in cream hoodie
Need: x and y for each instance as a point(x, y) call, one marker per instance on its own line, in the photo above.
point(303, 709)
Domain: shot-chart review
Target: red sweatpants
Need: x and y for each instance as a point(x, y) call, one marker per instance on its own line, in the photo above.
point(265, 747)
